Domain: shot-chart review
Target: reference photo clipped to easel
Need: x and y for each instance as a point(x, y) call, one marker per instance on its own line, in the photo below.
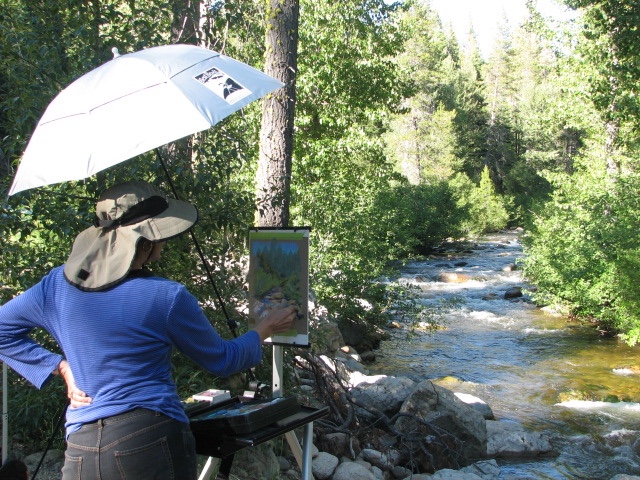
point(278, 278)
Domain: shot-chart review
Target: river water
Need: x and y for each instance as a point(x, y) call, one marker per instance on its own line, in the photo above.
point(530, 366)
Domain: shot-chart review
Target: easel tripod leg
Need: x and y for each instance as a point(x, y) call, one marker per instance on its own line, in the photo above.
point(306, 452)
point(209, 468)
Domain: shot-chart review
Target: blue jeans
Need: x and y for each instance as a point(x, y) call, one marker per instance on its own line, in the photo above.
point(136, 445)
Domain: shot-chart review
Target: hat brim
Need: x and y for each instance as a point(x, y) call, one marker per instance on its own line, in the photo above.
point(101, 258)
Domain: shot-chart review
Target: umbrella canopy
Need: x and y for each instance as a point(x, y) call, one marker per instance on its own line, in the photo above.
point(132, 104)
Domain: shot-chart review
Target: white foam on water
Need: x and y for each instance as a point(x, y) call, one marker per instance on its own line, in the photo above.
point(483, 315)
point(622, 432)
point(588, 406)
point(540, 331)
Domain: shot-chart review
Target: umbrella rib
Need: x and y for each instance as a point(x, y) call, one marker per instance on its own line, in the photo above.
point(215, 54)
point(104, 104)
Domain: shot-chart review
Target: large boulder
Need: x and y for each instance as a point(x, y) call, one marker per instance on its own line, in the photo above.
point(510, 439)
point(477, 404)
point(386, 395)
point(454, 433)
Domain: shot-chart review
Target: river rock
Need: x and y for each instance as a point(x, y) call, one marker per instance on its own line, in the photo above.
point(519, 476)
point(283, 464)
point(477, 404)
point(324, 465)
point(485, 469)
point(490, 296)
point(327, 338)
point(513, 292)
point(449, 474)
point(509, 439)
point(349, 371)
point(50, 467)
point(352, 364)
point(361, 336)
point(400, 472)
point(353, 471)
point(378, 459)
point(440, 408)
point(257, 463)
point(378, 473)
point(452, 277)
point(386, 395)
point(622, 476)
point(340, 444)
point(368, 356)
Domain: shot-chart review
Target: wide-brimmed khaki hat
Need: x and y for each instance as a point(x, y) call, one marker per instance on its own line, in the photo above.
point(102, 255)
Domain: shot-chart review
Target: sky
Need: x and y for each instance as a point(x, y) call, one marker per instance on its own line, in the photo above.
point(485, 15)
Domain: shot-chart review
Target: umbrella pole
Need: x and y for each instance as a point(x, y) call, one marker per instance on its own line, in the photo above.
point(230, 322)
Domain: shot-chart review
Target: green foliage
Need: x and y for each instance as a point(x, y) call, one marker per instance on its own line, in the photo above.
point(335, 195)
point(584, 250)
point(539, 115)
point(348, 83)
point(419, 217)
point(347, 74)
point(488, 208)
point(33, 414)
point(610, 48)
point(436, 134)
point(485, 210)
point(345, 96)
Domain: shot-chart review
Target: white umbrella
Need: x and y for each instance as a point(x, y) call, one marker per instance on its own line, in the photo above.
point(132, 104)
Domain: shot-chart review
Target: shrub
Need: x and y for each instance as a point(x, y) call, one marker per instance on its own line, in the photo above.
point(423, 215)
point(486, 209)
point(583, 251)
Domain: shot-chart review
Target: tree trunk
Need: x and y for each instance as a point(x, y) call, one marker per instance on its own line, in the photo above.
point(612, 129)
point(186, 21)
point(184, 30)
point(613, 122)
point(273, 177)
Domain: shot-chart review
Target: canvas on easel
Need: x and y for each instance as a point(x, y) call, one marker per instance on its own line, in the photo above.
point(279, 277)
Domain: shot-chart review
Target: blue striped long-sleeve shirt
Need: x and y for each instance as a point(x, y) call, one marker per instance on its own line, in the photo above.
point(118, 342)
